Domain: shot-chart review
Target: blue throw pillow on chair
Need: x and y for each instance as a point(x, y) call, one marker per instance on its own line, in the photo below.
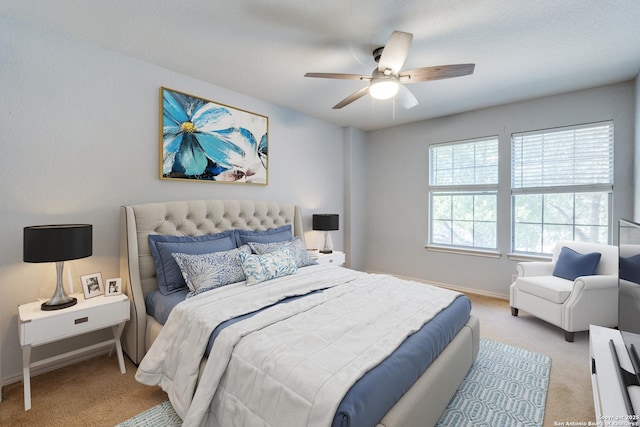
point(630, 268)
point(571, 264)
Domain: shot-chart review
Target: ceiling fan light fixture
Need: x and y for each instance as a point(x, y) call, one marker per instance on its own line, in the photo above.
point(386, 78)
point(383, 88)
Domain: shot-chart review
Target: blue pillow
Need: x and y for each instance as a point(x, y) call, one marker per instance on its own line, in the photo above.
point(278, 234)
point(169, 275)
point(630, 269)
point(571, 264)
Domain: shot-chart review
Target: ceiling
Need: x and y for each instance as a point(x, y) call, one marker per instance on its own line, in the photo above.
point(522, 49)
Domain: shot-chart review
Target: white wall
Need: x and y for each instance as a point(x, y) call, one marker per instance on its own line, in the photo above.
point(355, 197)
point(636, 169)
point(79, 132)
point(397, 182)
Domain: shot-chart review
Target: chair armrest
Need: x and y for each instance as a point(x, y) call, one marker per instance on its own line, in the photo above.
point(535, 268)
point(593, 301)
point(600, 281)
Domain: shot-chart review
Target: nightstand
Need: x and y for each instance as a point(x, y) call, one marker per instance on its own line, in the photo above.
point(334, 258)
point(37, 327)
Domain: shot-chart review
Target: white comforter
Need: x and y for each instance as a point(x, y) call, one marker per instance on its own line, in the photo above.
point(292, 364)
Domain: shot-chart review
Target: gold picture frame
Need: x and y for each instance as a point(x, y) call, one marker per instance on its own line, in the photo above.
point(202, 140)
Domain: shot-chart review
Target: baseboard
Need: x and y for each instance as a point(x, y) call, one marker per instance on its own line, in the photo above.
point(90, 354)
point(448, 286)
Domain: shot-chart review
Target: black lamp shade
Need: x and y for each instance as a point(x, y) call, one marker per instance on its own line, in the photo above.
point(325, 222)
point(61, 242)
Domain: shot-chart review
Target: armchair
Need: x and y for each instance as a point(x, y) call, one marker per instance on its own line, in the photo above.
point(569, 304)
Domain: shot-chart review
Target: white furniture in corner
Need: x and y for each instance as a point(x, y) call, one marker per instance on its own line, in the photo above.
point(608, 395)
point(572, 305)
point(37, 327)
point(334, 258)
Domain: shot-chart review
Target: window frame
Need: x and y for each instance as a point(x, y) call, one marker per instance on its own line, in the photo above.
point(605, 189)
point(467, 189)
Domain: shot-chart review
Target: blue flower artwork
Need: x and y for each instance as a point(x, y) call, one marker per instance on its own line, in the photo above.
point(203, 140)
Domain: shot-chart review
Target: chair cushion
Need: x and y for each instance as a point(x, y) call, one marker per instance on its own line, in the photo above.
point(571, 264)
point(550, 288)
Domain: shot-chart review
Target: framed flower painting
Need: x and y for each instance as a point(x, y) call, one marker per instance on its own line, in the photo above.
point(206, 141)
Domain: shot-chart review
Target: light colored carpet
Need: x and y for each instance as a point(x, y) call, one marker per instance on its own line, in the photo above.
point(94, 393)
point(89, 393)
point(506, 386)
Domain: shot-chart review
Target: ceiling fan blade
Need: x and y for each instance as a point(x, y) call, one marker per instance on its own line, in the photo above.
point(405, 98)
point(354, 96)
point(436, 73)
point(395, 52)
point(338, 76)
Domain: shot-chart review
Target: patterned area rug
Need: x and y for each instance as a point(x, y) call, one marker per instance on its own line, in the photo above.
point(505, 387)
point(161, 415)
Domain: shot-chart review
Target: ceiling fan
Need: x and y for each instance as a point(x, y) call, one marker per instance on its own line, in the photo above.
point(387, 81)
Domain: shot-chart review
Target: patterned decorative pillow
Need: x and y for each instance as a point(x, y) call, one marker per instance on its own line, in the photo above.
point(259, 268)
point(209, 271)
point(295, 245)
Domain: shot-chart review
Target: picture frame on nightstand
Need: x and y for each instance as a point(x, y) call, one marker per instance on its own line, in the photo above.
point(113, 287)
point(92, 285)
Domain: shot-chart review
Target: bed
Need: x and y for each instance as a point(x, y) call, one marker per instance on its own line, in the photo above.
point(420, 405)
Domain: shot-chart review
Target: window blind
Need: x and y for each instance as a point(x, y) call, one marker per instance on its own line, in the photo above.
point(463, 193)
point(572, 156)
point(464, 163)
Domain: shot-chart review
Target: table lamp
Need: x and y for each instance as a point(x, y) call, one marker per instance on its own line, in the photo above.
point(326, 223)
point(57, 243)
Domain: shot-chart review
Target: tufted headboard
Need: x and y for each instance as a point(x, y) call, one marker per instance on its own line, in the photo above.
point(181, 218)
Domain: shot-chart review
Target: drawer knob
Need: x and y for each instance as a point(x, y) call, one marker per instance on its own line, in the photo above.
point(81, 320)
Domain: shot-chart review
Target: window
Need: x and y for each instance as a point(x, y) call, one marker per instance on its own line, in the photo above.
point(463, 193)
point(561, 186)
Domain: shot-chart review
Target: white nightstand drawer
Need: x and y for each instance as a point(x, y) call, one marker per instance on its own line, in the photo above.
point(334, 258)
point(40, 330)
